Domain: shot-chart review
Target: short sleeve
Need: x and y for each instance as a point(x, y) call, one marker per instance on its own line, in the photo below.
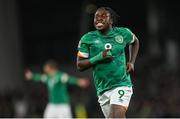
point(64, 78)
point(129, 36)
point(83, 47)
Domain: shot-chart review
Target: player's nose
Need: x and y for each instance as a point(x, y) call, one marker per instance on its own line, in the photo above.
point(99, 19)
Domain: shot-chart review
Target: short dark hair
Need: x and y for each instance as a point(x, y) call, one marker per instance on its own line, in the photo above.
point(113, 15)
point(52, 63)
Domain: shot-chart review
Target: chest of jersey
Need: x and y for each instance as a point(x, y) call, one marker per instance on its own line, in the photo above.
point(116, 44)
point(53, 82)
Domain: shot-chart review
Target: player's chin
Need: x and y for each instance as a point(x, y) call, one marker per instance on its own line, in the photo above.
point(99, 28)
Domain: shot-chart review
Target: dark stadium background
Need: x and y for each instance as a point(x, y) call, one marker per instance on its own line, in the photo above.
point(33, 31)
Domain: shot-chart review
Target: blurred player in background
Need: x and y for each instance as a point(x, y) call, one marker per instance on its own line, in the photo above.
point(104, 51)
point(56, 80)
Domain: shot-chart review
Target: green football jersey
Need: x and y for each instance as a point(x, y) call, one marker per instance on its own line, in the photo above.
point(57, 86)
point(108, 75)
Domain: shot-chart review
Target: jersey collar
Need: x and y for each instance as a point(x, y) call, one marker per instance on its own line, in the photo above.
point(108, 34)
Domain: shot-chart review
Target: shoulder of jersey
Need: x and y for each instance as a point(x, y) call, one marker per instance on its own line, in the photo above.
point(120, 28)
point(89, 35)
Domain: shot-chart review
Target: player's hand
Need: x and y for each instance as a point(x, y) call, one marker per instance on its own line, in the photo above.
point(130, 67)
point(83, 82)
point(28, 75)
point(106, 54)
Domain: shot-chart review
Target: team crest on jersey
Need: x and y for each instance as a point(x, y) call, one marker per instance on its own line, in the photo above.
point(119, 39)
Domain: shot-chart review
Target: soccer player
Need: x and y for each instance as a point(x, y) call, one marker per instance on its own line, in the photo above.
point(58, 106)
point(104, 51)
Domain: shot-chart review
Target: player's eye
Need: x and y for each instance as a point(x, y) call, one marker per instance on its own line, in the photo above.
point(98, 15)
point(104, 15)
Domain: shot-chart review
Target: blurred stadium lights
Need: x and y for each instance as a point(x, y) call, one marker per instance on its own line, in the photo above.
point(171, 54)
point(153, 28)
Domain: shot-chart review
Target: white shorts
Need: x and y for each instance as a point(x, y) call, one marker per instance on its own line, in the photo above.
point(119, 96)
point(57, 111)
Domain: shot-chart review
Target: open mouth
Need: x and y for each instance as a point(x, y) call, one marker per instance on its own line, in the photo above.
point(99, 24)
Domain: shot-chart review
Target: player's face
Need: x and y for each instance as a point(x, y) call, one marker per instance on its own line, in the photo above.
point(47, 69)
point(102, 20)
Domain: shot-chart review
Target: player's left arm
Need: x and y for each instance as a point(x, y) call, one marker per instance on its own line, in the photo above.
point(133, 51)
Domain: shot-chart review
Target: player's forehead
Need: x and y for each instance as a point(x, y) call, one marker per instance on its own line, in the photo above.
point(46, 65)
point(102, 11)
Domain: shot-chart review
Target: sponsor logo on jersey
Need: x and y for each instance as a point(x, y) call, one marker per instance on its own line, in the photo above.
point(96, 41)
point(119, 39)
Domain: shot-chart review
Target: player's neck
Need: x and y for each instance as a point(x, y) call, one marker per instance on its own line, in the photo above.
point(105, 31)
point(53, 72)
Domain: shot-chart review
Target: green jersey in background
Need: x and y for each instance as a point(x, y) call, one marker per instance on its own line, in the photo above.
point(112, 74)
point(57, 86)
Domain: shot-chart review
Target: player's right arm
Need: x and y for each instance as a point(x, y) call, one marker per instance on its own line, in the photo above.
point(85, 63)
point(29, 75)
